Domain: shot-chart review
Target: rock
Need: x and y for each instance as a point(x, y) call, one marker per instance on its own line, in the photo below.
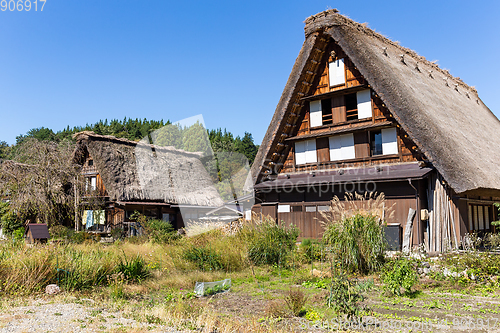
point(52, 289)
point(320, 274)
point(426, 264)
point(426, 270)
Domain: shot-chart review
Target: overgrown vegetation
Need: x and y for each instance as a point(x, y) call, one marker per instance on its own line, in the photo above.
point(295, 300)
point(344, 296)
point(354, 231)
point(204, 258)
point(154, 281)
point(269, 243)
point(399, 276)
point(134, 269)
point(9, 222)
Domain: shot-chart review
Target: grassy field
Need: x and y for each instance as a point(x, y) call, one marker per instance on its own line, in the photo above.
point(154, 284)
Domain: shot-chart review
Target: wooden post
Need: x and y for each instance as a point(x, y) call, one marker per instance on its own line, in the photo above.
point(408, 227)
point(76, 204)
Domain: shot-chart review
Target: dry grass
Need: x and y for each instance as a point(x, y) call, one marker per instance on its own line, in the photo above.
point(371, 203)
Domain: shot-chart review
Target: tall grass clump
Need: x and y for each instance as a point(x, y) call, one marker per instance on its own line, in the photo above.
point(214, 250)
point(135, 269)
point(204, 257)
point(268, 242)
point(83, 267)
point(24, 270)
point(354, 232)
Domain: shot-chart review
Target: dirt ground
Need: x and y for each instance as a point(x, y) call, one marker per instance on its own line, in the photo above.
point(426, 311)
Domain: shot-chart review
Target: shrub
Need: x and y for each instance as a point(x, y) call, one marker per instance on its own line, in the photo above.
point(79, 237)
point(18, 234)
point(270, 243)
point(357, 242)
point(204, 257)
point(399, 274)
point(313, 315)
point(492, 240)
point(59, 232)
point(9, 222)
point(344, 296)
point(160, 231)
point(295, 300)
point(310, 249)
point(117, 233)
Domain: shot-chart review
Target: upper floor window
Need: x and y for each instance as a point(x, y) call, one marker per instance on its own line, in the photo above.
point(336, 72)
point(384, 142)
point(341, 108)
point(91, 184)
point(305, 152)
point(315, 113)
point(91, 162)
point(342, 147)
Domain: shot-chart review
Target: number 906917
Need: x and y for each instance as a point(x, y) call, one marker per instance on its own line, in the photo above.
point(22, 5)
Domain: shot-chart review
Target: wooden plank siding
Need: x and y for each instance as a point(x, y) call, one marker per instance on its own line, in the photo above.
point(338, 116)
point(322, 150)
point(400, 197)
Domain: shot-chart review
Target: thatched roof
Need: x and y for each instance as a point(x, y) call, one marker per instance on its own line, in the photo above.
point(138, 171)
point(443, 116)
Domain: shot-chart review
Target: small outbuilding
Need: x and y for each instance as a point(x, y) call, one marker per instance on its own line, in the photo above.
point(37, 233)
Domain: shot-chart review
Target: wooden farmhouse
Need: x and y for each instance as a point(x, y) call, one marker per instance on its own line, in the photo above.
point(360, 113)
point(122, 177)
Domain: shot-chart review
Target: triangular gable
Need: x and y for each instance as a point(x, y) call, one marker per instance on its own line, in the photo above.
point(442, 115)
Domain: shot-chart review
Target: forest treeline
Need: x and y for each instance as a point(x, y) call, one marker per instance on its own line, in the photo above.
point(44, 185)
point(137, 129)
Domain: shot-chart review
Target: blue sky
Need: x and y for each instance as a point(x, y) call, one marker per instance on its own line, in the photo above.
point(81, 61)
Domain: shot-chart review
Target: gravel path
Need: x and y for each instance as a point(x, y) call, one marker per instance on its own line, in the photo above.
point(42, 316)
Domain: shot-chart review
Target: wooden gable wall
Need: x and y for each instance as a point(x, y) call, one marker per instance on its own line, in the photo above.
point(336, 123)
point(89, 170)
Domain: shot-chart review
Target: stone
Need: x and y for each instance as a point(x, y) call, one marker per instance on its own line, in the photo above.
point(52, 289)
point(426, 264)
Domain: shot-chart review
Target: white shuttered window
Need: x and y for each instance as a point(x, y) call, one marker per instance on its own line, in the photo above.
point(305, 152)
point(316, 114)
point(283, 208)
point(389, 141)
point(364, 104)
point(342, 147)
point(336, 72)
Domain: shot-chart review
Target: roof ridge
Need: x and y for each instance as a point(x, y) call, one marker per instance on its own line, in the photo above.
point(91, 134)
point(332, 17)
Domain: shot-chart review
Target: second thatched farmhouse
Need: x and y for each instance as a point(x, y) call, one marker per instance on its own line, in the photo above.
point(122, 177)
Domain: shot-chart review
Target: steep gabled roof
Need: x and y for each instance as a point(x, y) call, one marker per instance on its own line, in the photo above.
point(443, 116)
point(38, 230)
point(137, 171)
